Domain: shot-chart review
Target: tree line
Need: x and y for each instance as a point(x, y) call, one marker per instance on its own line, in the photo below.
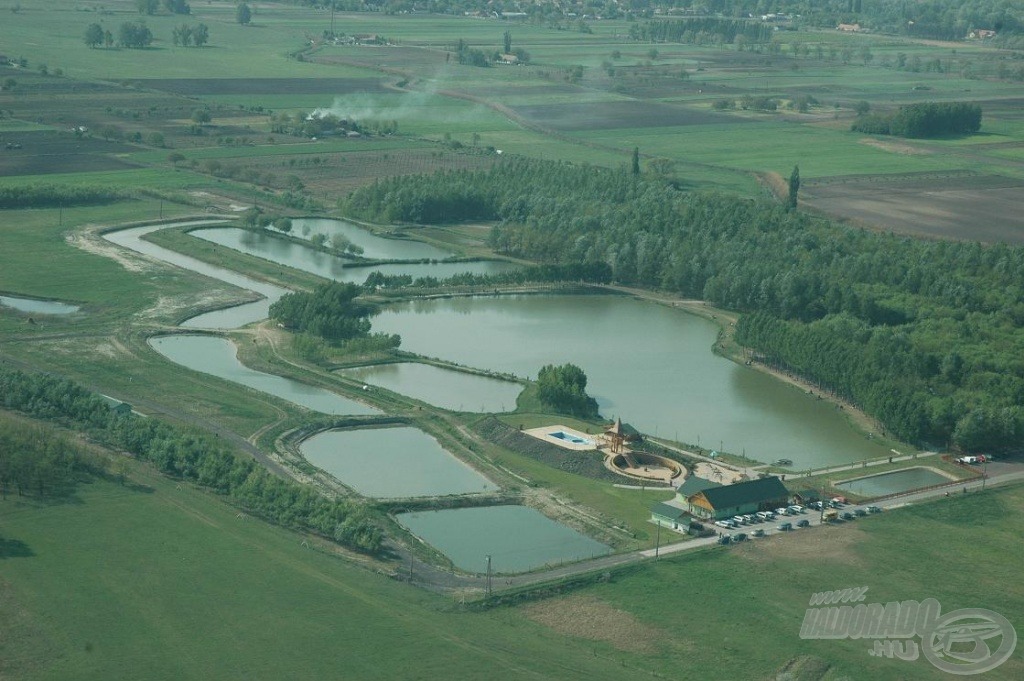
point(188, 454)
point(136, 35)
point(919, 305)
point(923, 120)
point(52, 196)
point(35, 459)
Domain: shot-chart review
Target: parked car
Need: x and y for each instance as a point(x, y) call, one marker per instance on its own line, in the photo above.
point(750, 519)
point(874, 509)
point(785, 527)
point(804, 522)
point(839, 500)
point(796, 508)
point(738, 519)
point(727, 524)
point(848, 516)
point(739, 536)
point(831, 516)
point(725, 539)
point(758, 533)
point(860, 512)
point(765, 515)
point(782, 511)
point(817, 505)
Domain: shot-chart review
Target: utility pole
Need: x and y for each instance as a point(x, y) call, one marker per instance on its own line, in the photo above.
point(984, 474)
point(657, 542)
point(488, 575)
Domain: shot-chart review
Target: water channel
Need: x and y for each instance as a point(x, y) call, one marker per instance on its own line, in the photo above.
point(35, 306)
point(445, 388)
point(226, 319)
point(646, 363)
point(392, 463)
point(517, 538)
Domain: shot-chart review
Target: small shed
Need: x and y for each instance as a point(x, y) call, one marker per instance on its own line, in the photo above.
point(667, 515)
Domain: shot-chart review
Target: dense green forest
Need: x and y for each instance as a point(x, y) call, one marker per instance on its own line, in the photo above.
point(179, 452)
point(924, 120)
point(925, 336)
point(37, 459)
point(563, 388)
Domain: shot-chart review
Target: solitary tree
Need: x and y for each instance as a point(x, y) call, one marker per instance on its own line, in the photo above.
point(244, 14)
point(94, 35)
point(794, 187)
point(200, 35)
point(201, 116)
point(636, 160)
point(508, 42)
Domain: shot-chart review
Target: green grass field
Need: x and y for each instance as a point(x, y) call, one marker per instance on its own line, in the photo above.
point(177, 586)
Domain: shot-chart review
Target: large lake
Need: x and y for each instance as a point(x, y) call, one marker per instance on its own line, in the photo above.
point(648, 364)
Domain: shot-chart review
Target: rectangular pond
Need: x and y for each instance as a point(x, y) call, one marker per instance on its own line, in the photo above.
point(392, 463)
point(894, 482)
point(445, 388)
point(517, 538)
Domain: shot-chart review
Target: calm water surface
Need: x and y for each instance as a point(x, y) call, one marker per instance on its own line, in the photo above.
point(34, 306)
point(392, 462)
point(306, 258)
point(218, 357)
point(228, 318)
point(517, 538)
point(445, 388)
point(893, 483)
point(648, 364)
point(375, 247)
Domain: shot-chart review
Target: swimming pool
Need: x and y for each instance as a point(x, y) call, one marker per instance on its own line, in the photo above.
point(569, 437)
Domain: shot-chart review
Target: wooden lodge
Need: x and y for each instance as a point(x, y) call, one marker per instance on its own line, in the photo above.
point(715, 503)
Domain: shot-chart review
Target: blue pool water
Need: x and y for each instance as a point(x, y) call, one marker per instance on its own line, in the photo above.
point(571, 438)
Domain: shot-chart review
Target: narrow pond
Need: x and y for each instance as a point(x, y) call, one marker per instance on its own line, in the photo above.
point(218, 357)
point(517, 538)
point(308, 259)
point(445, 388)
point(894, 482)
point(228, 318)
point(34, 306)
point(392, 463)
point(646, 363)
point(374, 247)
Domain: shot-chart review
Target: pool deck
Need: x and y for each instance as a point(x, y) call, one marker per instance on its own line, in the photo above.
point(544, 433)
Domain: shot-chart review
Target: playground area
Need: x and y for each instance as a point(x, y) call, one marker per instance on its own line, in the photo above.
point(618, 457)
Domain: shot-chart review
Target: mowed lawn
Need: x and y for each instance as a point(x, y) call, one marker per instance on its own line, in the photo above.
point(735, 613)
point(161, 581)
point(165, 582)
